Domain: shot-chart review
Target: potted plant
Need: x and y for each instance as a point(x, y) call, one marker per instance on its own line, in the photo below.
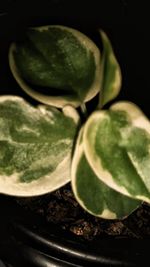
point(40, 243)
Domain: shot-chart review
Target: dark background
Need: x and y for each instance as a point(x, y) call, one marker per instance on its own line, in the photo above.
point(125, 22)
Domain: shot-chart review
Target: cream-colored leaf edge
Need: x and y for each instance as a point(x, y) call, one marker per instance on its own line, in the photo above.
point(118, 75)
point(95, 162)
point(9, 185)
point(78, 153)
point(59, 101)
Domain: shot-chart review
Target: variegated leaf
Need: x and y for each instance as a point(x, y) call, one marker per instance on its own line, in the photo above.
point(56, 65)
point(92, 194)
point(110, 72)
point(35, 147)
point(117, 145)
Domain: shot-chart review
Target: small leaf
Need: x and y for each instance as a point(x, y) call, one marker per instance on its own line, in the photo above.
point(116, 143)
point(35, 147)
point(56, 65)
point(92, 194)
point(110, 72)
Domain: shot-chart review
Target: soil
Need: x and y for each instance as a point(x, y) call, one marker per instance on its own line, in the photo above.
point(60, 207)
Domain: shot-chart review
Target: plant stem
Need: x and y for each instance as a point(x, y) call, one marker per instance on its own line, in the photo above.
point(84, 110)
point(100, 103)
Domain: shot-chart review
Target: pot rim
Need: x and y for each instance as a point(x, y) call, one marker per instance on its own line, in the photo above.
point(46, 241)
point(27, 239)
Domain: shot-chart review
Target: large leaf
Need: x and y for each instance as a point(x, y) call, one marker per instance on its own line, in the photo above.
point(117, 145)
point(110, 72)
point(56, 65)
point(35, 147)
point(92, 194)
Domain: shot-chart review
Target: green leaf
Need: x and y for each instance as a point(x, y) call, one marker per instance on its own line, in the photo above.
point(56, 65)
point(116, 143)
point(110, 72)
point(92, 194)
point(35, 147)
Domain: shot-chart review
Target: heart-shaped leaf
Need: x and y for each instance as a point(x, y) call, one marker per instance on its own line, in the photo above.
point(116, 143)
point(35, 147)
point(92, 194)
point(110, 72)
point(56, 65)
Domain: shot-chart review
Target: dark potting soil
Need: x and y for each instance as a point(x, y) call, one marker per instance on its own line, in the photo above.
point(60, 207)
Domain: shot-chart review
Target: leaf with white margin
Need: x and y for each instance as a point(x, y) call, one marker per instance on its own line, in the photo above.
point(56, 65)
point(117, 146)
point(111, 77)
point(35, 147)
point(92, 194)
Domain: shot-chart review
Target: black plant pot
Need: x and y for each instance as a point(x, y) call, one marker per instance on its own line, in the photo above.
point(26, 239)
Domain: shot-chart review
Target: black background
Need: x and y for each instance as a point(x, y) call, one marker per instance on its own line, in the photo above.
point(125, 22)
